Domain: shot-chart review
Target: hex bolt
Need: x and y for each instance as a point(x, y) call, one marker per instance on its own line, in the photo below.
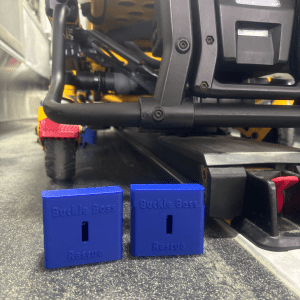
point(203, 86)
point(182, 45)
point(209, 40)
point(158, 114)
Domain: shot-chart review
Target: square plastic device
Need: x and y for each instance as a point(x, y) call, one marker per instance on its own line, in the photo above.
point(82, 226)
point(167, 219)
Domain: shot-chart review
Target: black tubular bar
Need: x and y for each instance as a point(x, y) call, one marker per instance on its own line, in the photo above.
point(60, 15)
point(114, 114)
point(251, 91)
point(223, 115)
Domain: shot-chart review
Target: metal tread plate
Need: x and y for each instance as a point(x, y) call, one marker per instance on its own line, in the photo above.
point(228, 150)
point(221, 150)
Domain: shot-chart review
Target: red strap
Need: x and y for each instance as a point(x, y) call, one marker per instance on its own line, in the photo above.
point(283, 183)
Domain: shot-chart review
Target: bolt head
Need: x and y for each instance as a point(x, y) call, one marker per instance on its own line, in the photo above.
point(182, 45)
point(209, 40)
point(204, 86)
point(158, 114)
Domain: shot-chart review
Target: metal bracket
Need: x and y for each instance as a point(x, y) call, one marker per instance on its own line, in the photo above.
point(208, 43)
point(260, 221)
point(176, 22)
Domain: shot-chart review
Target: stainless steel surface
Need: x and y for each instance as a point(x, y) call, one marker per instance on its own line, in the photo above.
point(24, 36)
point(21, 89)
point(11, 24)
point(272, 3)
point(36, 43)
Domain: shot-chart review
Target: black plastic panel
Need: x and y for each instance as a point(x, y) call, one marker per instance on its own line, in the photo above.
point(248, 48)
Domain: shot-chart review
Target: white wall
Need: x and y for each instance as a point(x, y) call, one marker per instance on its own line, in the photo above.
point(21, 89)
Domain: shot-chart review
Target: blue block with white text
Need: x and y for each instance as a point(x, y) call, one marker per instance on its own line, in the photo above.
point(82, 226)
point(167, 219)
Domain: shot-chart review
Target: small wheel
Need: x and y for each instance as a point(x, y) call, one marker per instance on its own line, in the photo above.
point(60, 158)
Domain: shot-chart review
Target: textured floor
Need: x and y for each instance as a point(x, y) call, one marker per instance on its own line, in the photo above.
point(224, 271)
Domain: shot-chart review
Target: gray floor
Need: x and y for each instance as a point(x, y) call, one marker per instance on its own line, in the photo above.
point(224, 271)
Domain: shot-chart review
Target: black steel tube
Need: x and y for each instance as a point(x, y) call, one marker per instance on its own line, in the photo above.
point(100, 114)
point(251, 91)
point(113, 114)
point(222, 115)
point(60, 14)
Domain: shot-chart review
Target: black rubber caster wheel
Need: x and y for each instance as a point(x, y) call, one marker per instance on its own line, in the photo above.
point(60, 158)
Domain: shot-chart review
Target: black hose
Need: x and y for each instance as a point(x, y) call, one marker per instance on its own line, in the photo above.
point(112, 114)
point(153, 63)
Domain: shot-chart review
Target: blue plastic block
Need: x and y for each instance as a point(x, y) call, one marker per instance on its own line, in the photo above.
point(89, 137)
point(82, 226)
point(167, 219)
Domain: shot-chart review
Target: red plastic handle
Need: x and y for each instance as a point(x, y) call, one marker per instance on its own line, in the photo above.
point(283, 183)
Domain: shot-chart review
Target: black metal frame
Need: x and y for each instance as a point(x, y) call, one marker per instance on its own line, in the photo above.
point(176, 23)
point(122, 114)
point(185, 44)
